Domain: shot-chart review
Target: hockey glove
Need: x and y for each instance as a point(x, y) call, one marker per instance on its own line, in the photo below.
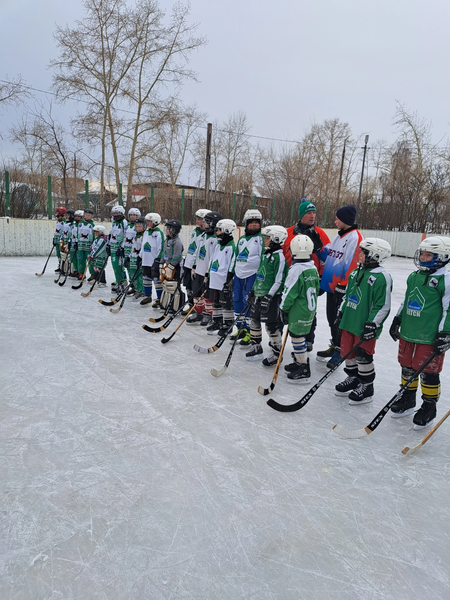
point(394, 329)
point(138, 262)
point(315, 238)
point(226, 297)
point(251, 298)
point(155, 269)
point(120, 251)
point(338, 319)
point(126, 262)
point(69, 245)
point(284, 317)
point(369, 331)
point(90, 259)
point(108, 250)
point(265, 303)
point(338, 294)
point(169, 272)
point(161, 271)
point(442, 342)
point(75, 246)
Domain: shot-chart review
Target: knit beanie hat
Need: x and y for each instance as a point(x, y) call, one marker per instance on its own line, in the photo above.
point(347, 214)
point(305, 207)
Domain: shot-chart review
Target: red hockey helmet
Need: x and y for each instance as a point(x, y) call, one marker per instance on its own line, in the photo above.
point(60, 210)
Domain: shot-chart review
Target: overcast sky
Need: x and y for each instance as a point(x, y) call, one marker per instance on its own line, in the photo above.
point(285, 64)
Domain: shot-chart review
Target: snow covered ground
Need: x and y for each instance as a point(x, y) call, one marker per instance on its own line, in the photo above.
point(129, 472)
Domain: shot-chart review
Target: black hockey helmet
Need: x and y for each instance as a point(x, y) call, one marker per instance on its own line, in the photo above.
point(211, 220)
point(174, 227)
point(70, 214)
point(141, 221)
point(89, 211)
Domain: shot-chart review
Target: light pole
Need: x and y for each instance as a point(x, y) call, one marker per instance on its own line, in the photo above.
point(362, 172)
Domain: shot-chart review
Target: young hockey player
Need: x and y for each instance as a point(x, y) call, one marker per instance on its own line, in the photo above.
point(202, 314)
point(189, 260)
point(84, 238)
point(98, 254)
point(78, 217)
point(422, 325)
point(299, 304)
point(170, 268)
point(130, 234)
point(266, 295)
point(221, 279)
point(366, 306)
point(66, 240)
point(133, 261)
point(115, 246)
point(341, 258)
point(151, 254)
point(60, 213)
point(247, 259)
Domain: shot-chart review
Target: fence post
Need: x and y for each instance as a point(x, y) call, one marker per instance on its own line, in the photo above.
point(120, 194)
point(273, 210)
point(49, 197)
point(86, 193)
point(292, 212)
point(7, 195)
point(234, 207)
point(182, 207)
point(325, 217)
point(152, 198)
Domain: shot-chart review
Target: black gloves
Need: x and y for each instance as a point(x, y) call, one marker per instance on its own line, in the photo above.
point(338, 294)
point(284, 317)
point(226, 297)
point(394, 329)
point(369, 331)
point(108, 250)
point(442, 342)
point(120, 251)
point(251, 298)
point(138, 262)
point(314, 237)
point(126, 262)
point(338, 319)
point(75, 246)
point(265, 303)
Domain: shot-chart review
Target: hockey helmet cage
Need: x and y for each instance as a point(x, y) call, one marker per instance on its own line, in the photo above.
point(174, 227)
point(439, 246)
point(226, 226)
point(211, 219)
point(376, 249)
point(154, 218)
point(276, 233)
point(301, 247)
point(134, 211)
point(252, 214)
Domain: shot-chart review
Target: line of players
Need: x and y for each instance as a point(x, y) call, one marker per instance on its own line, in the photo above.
point(274, 276)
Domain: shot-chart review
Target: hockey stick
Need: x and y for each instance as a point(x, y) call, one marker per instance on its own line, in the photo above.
point(266, 391)
point(66, 270)
point(61, 266)
point(307, 397)
point(353, 434)
point(45, 266)
point(77, 287)
point(407, 450)
point(165, 340)
point(230, 354)
point(166, 310)
point(97, 279)
point(166, 324)
point(125, 292)
point(221, 340)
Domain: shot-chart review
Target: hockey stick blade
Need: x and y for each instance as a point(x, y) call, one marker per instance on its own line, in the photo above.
point(39, 274)
point(116, 310)
point(46, 263)
point(150, 330)
point(220, 372)
point(408, 450)
point(159, 319)
point(110, 302)
point(353, 434)
point(198, 348)
point(86, 294)
point(61, 283)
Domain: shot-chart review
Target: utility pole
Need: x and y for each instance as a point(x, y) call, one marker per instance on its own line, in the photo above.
point(208, 164)
point(362, 173)
point(340, 174)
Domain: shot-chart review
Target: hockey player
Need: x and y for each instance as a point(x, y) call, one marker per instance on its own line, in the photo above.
point(247, 259)
point(266, 295)
point(189, 260)
point(341, 258)
point(422, 325)
point(78, 217)
point(98, 254)
point(151, 254)
point(133, 260)
point(60, 213)
point(115, 246)
point(221, 279)
point(84, 238)
point(202, 314)
point(299, 304)
point(66, 240)
point(170, 267)
point(365, 307)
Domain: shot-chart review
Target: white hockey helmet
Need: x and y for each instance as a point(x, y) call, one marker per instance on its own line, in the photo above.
point(79, 213)
point(134, 211)
point(252, 214)
point(227, 226)
point(117, 210)
point(301, 247)
point(439, 246)
point(201, 213)
point(276, 233)
point(376, 249)
point(100, 228)
point(154, 218)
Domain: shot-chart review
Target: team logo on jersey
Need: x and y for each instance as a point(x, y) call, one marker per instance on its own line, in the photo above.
point(355, 298)
point(415, 303)
point(147, 247)
point(243, 255)
point(259, 276)
point(215, 266)
point(371, 280)
point(433, 282)
point(202, 253)
point(192, 248)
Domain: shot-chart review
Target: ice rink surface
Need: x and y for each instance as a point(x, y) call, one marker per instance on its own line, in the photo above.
point(129, 472)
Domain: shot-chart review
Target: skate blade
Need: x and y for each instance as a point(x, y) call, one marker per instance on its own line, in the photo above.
point(364, 401)
point(306, 380)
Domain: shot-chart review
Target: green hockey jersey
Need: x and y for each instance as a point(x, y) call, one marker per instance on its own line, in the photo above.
point(299, 297)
